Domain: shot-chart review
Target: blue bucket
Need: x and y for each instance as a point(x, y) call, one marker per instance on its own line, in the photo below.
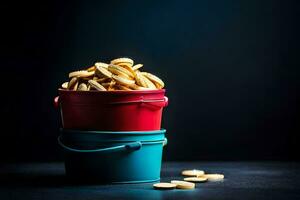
point(113, 157)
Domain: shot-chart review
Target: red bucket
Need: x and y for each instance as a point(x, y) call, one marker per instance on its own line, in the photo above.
point(111, 110)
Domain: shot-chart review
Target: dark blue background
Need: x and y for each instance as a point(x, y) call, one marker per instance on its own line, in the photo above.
point(231, 70)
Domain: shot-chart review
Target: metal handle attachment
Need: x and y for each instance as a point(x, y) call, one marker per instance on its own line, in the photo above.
point(56, 102)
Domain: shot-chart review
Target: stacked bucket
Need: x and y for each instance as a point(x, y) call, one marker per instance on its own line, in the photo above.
point(112, 136)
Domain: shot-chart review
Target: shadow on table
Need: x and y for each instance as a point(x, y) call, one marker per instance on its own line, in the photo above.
point(38, 180)
point(18, 179)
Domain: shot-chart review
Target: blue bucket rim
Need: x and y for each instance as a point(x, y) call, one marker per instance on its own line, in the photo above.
point(161, 131)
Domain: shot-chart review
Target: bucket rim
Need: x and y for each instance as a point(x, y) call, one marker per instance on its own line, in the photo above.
point(161, 131)
point(114, 92)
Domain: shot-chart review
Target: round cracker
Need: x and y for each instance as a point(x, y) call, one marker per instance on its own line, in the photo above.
point(81, 73)
point(101, 64)
point(128, 67)
point(149, 83)
point(82, 87)
point(65, 85)
point(122, 60)
point(164, 186)
point(96, 85)
point(213, 177)
point(154, 78)
point(137, 66)
point(72, 82)
point(158, 86)
point(140, 80)
point(76, 86)
point(115, 69)
point(125, 64)
point(183, 184)
point(101, 80)
point(90, 69)
point(127, 70)
point(136, 87)
point(123, 81)
point(122, 87)
point(195, 179)
point(103, 72)
point(193, 172)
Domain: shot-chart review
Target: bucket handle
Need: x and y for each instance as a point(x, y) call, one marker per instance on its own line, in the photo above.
point(153, 102)
point(133, 146)
point(129, 146)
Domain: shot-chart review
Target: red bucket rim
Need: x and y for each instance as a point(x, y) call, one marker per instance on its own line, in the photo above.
point(115, 91)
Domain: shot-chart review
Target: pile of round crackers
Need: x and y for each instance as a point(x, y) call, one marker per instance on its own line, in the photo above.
point(119, 74)
point(192, 177)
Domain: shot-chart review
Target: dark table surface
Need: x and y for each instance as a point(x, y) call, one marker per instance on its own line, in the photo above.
point(243, 180)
